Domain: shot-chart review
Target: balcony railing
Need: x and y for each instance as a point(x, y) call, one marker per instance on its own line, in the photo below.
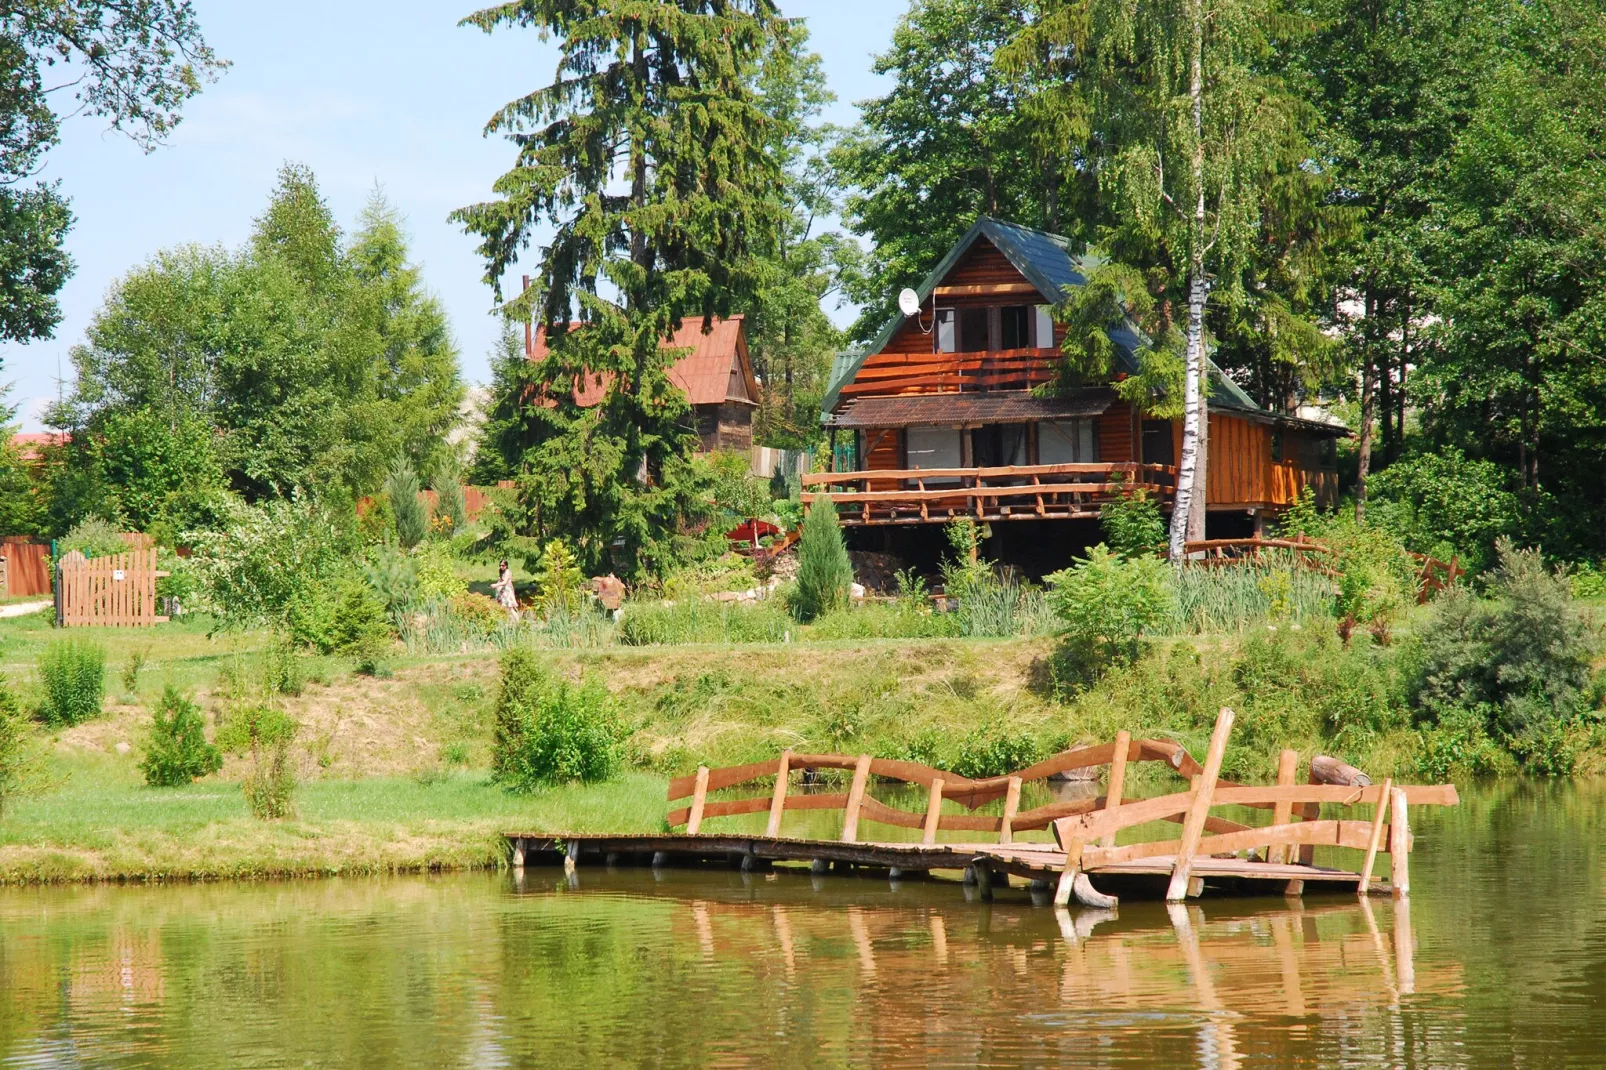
point(1015, 492)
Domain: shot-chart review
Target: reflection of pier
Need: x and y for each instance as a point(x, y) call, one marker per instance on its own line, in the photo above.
point(1214, 852)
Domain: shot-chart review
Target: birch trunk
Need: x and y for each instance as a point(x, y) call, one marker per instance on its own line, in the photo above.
point(1188, 512)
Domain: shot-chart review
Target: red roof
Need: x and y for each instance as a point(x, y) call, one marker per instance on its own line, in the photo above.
point(33, 443)
point(715, 371)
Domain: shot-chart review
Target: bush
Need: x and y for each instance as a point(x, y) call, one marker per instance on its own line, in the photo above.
point(1107, 606)
point(92, 538)
point(264, 734)
point(446, 480)
point(1000, 608)
point(14, 755)
point(993, 750)
point(548, 732)
point(1133, 526)
point(436, 574)
point(412, 515)
point(178, 752)
point(250, 572)
point(824, 573)
point(342, 617)
point(559, 583)
point(1445, 503)
point(72, 677)
point(1519, 659)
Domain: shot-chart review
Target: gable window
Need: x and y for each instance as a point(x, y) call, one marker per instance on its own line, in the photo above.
point(1014, 327)
point(973, 330)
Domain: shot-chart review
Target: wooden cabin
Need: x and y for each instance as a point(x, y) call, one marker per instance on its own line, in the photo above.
point(938, 417)
point(715, 371)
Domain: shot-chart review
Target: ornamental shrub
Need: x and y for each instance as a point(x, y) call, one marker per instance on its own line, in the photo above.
point(266, 555)
point(1133, 526)
point(178, 752)
point(1107, 607)
point(92, 538)
point(263, 732)
point(72, 678)
point(412, 515)
point(451, 506)
point(824, 573)
point(1520, 658)
point(549, 732)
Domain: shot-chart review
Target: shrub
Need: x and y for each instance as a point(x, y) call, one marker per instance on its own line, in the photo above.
point(1107, 606)
point(1589, 581)
point(999, 608)
point(412, 515)
point(250, 572)
point(964, 569)
point(436, 574)
point(1445, 502)
point(1234, 596)
point(92, 538)
point(178, 752)
point(446, 480)
point(131, 670)
point(263, 733)
point(341, 617)
point(548, 732)
point(559, 583)
point(1520, 659)
point(14, 755)
point(1133, 526)
point(824, 573)
point(993, 750)
point(72, 677)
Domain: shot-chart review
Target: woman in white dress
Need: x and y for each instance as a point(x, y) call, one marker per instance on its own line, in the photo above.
point(503, 588)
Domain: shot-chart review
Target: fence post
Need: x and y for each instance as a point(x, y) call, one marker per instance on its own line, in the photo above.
point(778, 799)
point(1283, 812)
point(699, 799)
point(1006, 830)
point(1182, 869)
point(1399, 844)
point(933, 812)
point(1112, 795)
point(850, 819)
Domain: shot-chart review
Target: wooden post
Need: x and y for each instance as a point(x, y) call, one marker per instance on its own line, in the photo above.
point(1182, 869)
point(1283, 812)
point(1112, 797)
point(1376, 839)
point(778, 799)
point(933, 812)
point(1399, 845)
point(1006, 831)
point(699, 797)
point(850, 820)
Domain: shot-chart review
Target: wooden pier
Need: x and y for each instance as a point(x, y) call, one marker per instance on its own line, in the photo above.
point(1212, 855)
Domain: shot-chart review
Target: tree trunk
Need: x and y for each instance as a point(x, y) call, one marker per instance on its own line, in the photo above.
point(1188, 512)
point(1364, 453)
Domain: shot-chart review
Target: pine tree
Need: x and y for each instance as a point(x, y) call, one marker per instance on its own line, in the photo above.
point(661, 94)
point(824, 572)
point(178, 751)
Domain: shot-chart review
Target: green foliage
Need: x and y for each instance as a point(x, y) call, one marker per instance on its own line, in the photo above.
point(177, 752)
point(446, 480)
point(737, 493)
point(994, 749)
point(264, 733)
point(159, 469)
point(436, 573)
point(92, 537)
point(705, 199)
point(549, 732)
point(697, 620)
point(267, 556)
point(559, 583)
point(907, 618)
point(1108, 606)
point(15, 757)
point(824, 571)
point(1001, 608)
point(409, 510)
point(1444, 504)
point(1589, 581)
point(72, 682)
point(1521, 659)
point(132, 668)
point(1133, 526)
point(1273, 587)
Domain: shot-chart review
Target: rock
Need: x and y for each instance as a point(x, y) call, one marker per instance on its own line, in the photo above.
point(856, 591)
point(122, 747)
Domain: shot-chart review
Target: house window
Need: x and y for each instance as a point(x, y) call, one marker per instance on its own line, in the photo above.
point(1066, 442)
point(1276, 447)
point(973, 330)
point(933, 447)
point(1043, 335)
point(1014, 327)
point(1158, 447)
point(999, 445)
point(947, 330)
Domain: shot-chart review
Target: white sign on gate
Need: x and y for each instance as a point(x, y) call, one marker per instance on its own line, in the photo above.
point(117, 574)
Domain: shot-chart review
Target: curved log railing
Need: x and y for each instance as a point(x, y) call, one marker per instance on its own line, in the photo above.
point(1433, 575)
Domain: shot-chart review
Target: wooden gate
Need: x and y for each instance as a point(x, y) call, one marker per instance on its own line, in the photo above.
point(118, 591)
point(26, 567)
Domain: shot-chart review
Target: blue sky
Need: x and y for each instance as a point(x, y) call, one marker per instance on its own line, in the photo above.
point(363, 92)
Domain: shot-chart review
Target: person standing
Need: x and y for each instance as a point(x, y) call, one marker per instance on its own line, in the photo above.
point(503, 588)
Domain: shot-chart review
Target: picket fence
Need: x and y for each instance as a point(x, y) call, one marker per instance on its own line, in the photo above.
point(117, 591)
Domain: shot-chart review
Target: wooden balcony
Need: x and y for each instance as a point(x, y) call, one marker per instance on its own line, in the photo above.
point(1017, 492)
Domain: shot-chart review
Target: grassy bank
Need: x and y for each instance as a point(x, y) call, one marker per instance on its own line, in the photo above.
point(392, 770)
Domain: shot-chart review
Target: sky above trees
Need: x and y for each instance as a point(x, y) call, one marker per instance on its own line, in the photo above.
point(362, 93)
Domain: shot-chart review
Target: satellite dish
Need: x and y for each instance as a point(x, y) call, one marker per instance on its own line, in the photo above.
point(909, 302)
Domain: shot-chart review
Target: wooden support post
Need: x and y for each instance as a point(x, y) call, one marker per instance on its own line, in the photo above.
point(1283, 812)
point(699, 799)
point(1376, 839)
point(778, 799)
point(1006, 831)
point(571, 856)
point(1193, 829)
point(1399, 845)
point(1112, 797)
point(933, 812)
point(518, 853)
point(850, 819)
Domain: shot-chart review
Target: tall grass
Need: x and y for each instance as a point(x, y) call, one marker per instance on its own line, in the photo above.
point(1003, 609)
point(1239, 594)
point(694, 620)
point(72, 682)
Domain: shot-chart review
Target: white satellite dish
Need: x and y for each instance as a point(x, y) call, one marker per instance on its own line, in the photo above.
point(909, 302)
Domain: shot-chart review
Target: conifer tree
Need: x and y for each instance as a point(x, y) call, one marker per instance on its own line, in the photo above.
point(646, 156)
point(824, 571)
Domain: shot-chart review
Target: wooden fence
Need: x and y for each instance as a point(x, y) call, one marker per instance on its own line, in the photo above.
point(24, 567)
point(117, 591)
point(1433, 577)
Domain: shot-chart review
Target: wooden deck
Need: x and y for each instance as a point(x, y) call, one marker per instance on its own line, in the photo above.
point(1214, 853)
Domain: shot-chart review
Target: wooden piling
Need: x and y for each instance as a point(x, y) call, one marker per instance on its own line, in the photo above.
point(778, 799)
point(1376, 838)
point(933, 812)
point(1399, 845)
point(1112, 796)
point(850, 820)
point(1193, 828)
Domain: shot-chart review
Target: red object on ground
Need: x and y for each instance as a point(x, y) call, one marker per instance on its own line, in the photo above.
point(750, 531)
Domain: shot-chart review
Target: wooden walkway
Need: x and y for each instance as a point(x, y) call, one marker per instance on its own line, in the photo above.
point(1213, 854)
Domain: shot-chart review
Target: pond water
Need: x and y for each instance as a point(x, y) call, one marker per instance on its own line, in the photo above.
point(1498, 958)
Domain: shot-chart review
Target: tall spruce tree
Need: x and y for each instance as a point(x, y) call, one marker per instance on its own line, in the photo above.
point(646, 156)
